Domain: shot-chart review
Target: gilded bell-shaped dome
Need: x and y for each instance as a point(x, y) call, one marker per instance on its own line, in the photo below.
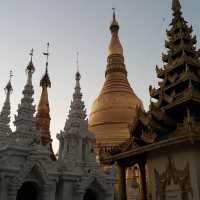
point(117, 105)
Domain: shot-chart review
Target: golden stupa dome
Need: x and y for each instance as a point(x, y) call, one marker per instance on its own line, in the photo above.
point(117, 105)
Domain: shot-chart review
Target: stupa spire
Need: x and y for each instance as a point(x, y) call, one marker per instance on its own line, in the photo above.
point(77, 76)
point(77, 109)
point(114, 26)
point(76, 142)
point(5, 112)
point(115, 47)
point(25, 121)
point(43, 111)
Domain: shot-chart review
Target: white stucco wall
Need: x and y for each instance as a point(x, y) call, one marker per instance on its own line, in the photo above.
point(158, 161)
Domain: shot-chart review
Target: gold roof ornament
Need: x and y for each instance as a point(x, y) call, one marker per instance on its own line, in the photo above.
point(114, 21)
point(117, 105)
point(115, 46)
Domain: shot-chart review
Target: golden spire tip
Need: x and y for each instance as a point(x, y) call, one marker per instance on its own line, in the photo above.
point(114, 23)
point(113, 12)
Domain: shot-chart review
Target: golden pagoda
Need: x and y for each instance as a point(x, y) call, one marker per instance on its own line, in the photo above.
point(117, 104)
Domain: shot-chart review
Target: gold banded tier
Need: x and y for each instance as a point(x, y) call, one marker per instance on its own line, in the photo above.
point(113, 110)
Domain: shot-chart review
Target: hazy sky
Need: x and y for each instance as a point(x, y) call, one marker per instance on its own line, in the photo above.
point(83, 25)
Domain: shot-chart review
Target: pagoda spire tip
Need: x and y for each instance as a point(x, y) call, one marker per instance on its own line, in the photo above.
point(77, 61)
point(45, 81)
point(114, 24)
point(47, 56)
point(113, 8)
point(77, 76)
point(8, 87)
point(176, 5)
point(115, 47)
point(30, 68)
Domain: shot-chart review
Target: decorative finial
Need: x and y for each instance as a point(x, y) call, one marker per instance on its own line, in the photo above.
point(78, 76)
point(115, 47)
point(11, 74)
point(8, 88)
point(30, 68)
point(114, 27)
point(113, 12)
point(77, 61)
point(45, 81)
point(31, 53)
point(47, 55)
point(176, 5)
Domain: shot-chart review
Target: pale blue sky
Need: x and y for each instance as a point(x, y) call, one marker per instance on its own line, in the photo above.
point(83, 25)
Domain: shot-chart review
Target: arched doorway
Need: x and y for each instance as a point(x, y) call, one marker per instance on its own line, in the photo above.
point(28, 191)
point(90, 195)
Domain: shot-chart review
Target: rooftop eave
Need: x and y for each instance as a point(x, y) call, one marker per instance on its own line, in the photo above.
point(182, 98)
point(178, 62)
point(191, 139)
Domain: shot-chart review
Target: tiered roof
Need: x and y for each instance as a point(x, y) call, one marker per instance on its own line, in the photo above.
point(178, 92)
